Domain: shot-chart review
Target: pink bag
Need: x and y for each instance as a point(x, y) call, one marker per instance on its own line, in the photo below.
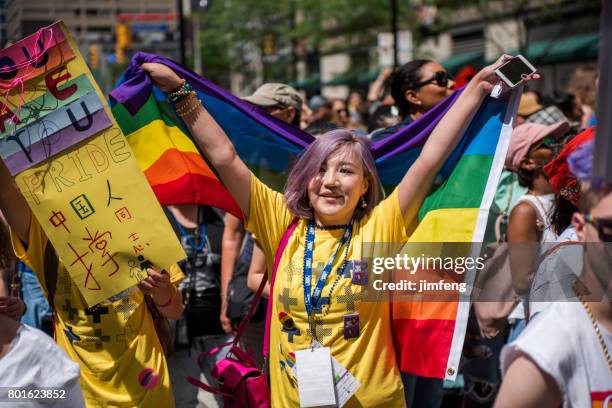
point(241, 383)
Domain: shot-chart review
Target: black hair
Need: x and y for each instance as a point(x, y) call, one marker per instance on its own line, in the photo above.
point(561, 217)
point(404, 78)
point(376, 120)
point(319, 127)
point(525, 177)
point(297, 118)
point(566, 102)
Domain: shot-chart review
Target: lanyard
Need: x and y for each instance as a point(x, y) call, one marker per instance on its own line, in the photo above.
point(311, 299)
point(200, 229)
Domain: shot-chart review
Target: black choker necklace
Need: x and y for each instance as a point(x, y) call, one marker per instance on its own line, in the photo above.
point(330, 227)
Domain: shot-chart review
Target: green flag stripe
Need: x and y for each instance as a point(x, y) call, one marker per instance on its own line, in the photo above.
point(469, 180)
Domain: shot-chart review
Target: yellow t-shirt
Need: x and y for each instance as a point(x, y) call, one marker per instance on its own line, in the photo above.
point(113, 344)
point(370, 358)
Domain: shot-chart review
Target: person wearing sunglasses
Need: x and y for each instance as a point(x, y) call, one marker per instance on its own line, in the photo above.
point(529, 224)
point(416, 87)
point(563, 359)
point(562, 259)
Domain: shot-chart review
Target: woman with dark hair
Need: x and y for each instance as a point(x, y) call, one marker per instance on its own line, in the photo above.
point(333, 199)
point(416, 87)
point(560, 264)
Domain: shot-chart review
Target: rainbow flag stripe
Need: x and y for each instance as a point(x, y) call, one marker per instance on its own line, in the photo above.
point(455, 211)
point(428, 335)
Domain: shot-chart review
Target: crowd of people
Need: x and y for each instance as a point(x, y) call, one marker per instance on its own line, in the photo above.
point(305, 241)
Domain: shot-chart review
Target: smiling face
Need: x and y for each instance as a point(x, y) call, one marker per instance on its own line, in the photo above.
point(335, 191)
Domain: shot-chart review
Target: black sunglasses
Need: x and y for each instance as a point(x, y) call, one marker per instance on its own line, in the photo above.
point(603, 226)
point(440, 78)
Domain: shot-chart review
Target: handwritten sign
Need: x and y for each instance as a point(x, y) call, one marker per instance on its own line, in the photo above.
point(76, 170)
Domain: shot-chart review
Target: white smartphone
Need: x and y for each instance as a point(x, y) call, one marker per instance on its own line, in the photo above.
point(512, 71)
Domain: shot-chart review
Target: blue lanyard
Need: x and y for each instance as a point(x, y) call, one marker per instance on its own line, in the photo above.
point(312, 300)
point(203, 239)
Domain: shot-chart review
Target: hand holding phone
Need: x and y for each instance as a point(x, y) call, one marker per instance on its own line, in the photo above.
point(513, 72)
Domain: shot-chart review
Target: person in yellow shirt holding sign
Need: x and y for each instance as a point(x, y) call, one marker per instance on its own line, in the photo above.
point(333, 199)
point(114, 342)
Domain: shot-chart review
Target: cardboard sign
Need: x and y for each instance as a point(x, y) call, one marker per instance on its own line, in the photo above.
point(76, 170)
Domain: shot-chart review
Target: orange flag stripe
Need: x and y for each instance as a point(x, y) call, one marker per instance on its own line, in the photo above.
point(173, 164)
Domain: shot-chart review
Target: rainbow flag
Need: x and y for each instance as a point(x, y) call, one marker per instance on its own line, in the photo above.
point(456, 211)
point(429, 336)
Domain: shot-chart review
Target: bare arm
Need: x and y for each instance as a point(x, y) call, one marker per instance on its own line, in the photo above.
point(213, 141)
point(523, 251)
point(13, 205)
point(526, 386)
point(257, 271)
point(444, 138)
point(420, 177)
point(233, 233)
point(165, 295)
point(376, 87)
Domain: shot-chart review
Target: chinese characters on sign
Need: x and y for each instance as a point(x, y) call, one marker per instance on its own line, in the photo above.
point(74, 166)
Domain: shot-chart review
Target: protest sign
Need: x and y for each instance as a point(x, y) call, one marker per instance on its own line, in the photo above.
point(76, 170)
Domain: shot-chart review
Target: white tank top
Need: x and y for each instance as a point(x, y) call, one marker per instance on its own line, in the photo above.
point(543, 204)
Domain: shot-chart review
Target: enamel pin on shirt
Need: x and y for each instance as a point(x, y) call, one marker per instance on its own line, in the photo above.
point(351, 326)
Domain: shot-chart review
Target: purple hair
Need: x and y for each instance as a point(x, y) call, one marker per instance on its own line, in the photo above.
point(311, 160)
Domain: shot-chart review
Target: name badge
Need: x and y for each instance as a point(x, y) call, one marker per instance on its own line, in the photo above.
point(315, 377)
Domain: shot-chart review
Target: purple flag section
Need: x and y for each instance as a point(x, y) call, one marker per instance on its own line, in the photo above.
point(137, 87)
point(56, 143)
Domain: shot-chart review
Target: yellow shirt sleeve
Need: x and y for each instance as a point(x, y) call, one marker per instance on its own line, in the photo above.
point(176, 274)
point(34, 255)
point(269, 216)
point(386, 223)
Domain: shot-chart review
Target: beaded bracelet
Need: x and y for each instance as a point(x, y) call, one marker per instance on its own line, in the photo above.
point(178, 88)
point(195, 106)
point(185, 102)
point(190, 105)
point(181, 92)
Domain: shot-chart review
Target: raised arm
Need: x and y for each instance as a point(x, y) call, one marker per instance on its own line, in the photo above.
point(213, 141)
point(13, 205)
point(444, 138)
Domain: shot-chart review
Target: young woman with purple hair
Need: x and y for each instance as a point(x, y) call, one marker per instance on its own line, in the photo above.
point(334, 193)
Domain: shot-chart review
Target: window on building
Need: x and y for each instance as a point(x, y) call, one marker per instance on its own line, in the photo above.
point(468, 40)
